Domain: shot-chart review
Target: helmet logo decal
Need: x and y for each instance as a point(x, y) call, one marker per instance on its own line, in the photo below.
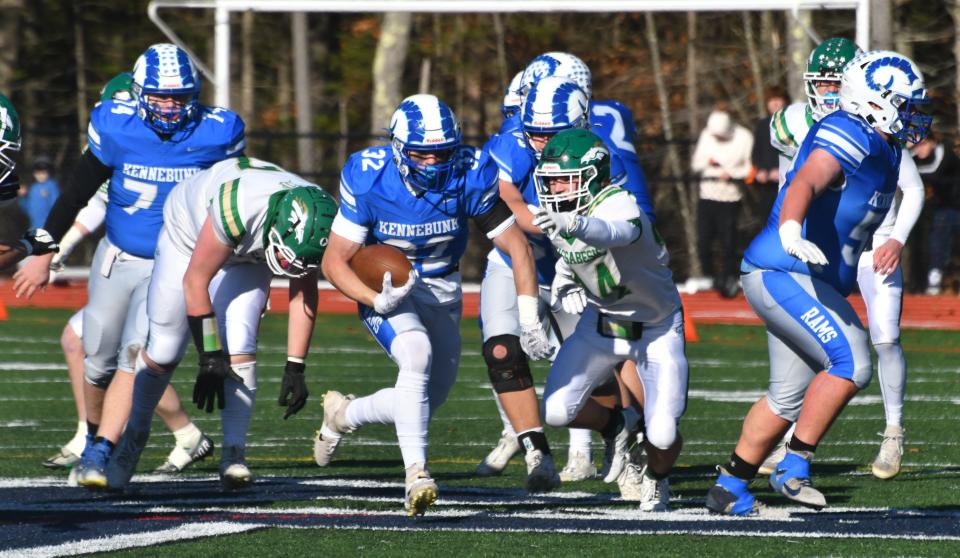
point(874, 72)
point(594, 154)
point(298, 218)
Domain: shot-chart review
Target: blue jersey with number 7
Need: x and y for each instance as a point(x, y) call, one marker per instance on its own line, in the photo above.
point(842, 219)
point(146, 167)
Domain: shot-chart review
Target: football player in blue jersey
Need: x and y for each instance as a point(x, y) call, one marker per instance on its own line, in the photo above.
point(798, 271)
point(416, 194)
point(144, 147)
point(191, 444)
point(511, 99)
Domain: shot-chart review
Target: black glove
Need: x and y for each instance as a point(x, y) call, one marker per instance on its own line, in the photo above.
point(214, 369)
point(214, 363)
point(39, 242)
point(293, 388)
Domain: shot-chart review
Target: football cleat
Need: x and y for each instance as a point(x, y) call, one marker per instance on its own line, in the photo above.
point(498, 458)
point(887, 464)
point(630, 479)
point(421, 490)
point(125, 458)
point(731, 496)
point(62, 459)
point(541, 472)
point(654, 493)
point(327, 439)
point(579, 467)
point(234, 474)
point(775, 457)
point(615, 455)
point(91, 469)
point(792, 479)
point(181, 458)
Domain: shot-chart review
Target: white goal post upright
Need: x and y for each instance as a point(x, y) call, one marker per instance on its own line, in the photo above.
point(220, 75)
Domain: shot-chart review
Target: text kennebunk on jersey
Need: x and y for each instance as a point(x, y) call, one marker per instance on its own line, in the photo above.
point(418, 229)
point(159, 174)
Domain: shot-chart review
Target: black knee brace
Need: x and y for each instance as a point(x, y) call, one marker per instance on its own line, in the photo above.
point(511, 372)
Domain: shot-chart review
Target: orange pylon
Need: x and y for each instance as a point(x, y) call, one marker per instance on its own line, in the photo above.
point(689, 329)
point(3, 311)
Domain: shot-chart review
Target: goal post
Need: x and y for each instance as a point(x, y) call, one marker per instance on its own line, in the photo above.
point(220, 73)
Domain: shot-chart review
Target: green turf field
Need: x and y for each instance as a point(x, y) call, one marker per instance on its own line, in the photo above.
point(287, 510)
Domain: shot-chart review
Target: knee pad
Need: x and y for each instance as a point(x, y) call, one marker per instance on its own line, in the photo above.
point(555, 413)
point(507, 364)
point(785, 409)
point(661, 431)
point(96, 376)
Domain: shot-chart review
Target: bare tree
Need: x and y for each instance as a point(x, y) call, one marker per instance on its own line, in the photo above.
point(80, 57)
point(673, 158)
point(246, 67)
point(754, 63)
point(799, 46)
point(954, 9)
point(10, 11)
point(301, 91)
point(388, 64)
point(881, 25)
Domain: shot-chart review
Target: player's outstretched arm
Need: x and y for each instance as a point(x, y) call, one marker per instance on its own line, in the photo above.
point(336, 269)
point(300, 322)
point(514, 200)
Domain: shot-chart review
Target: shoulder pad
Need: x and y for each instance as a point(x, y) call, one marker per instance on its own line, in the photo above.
point(112, 113)
point(365, 168)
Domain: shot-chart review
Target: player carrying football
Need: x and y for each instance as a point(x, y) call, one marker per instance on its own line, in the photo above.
point(416, 194)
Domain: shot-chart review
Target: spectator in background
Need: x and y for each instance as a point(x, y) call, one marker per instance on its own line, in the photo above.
point(939, 167)
point(766, 159)
point(722, 159)
point(37, 200)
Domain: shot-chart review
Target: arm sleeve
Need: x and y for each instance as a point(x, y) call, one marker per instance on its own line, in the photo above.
point(912, 203)
point(92, 215)
point(601, 233)
point(87, 178)
point(496, 220)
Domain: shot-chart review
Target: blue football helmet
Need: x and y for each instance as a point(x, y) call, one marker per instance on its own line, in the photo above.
point(511, 98)
point(166, 69)
point(424, 123)
point(554, 104)
point(561, 64)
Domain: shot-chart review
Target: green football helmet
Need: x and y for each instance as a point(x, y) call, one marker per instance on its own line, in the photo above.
point(826, 63)
point(9, 138)
point(296, 229)
point(581, 157)
point(120, 88)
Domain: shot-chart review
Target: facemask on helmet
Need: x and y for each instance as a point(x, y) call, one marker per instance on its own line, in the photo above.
point(574, 167)
point(825, 66)
point(167, 88)
point(511, 98)
point(10, 140)
point(296, 230)
point(887, 90)
point(559, 64)
point(424, 136)
point(552, 105)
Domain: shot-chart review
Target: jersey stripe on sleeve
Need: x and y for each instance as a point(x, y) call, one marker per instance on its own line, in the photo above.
point(230, 212)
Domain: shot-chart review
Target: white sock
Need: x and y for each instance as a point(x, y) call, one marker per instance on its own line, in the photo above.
point(580, 439)
point(892, 367)
point(238, 408)
point(411, 404)
point(148, 388)
point(376, 408)
point(79, 440)
point(188, 437)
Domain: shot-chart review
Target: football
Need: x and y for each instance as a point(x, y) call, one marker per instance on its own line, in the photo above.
point(372, 261)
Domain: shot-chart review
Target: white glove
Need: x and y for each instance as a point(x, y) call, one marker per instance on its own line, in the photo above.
point(797, 246)
point(552, 223)
point(568, 295)
point(533, 336)
point(391, 297)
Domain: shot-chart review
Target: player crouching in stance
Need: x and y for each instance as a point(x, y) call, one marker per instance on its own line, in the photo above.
point(800, 268)
point(416, 195)
point(613, 268)
point(226, 231)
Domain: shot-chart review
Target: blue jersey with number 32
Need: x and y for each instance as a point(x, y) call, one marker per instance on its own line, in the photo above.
point(841, 220)
point(429, 227)
point(146, 168)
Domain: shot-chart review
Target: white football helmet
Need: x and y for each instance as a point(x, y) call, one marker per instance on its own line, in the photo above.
point(560, 64)
point(424, 123)
point(887, 90)
point(554, 104)
point(511, 98)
